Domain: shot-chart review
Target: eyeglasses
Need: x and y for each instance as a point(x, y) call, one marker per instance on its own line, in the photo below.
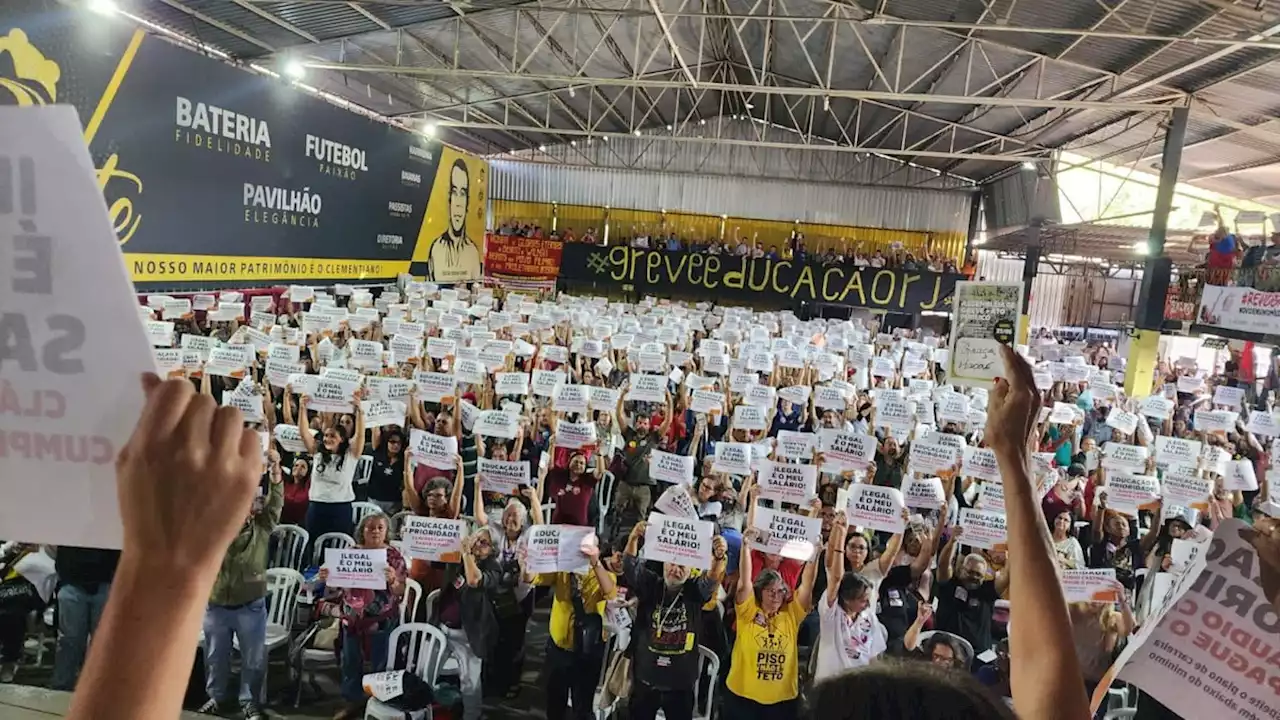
point(438, 495)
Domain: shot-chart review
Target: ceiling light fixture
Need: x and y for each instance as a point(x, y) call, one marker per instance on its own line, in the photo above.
point(294, 69)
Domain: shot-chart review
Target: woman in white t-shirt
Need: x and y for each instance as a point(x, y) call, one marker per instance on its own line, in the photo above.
point(850, 635)
point(333, 468)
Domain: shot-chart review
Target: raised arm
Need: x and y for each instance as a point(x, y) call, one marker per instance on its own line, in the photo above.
point(835, 556)
point(357, 436)
point(804, 593)
point(744, 589)
point(459, 479)
point(304, 428)
point(946, 563)
point(1044, 684)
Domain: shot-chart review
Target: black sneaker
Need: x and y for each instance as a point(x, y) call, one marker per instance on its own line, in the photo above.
point(212, 707)
point(252, 711)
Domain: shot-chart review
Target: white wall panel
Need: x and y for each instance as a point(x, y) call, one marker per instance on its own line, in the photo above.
point(747, 197)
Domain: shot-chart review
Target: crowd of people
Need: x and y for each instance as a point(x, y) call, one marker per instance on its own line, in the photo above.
point(895, 256)
point(510, 411)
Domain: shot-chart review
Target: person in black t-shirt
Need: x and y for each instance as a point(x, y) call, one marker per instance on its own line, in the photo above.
point(665, 636)
point(386, 481)
point(86, 575)
point(1115, 547)
point(966, 602)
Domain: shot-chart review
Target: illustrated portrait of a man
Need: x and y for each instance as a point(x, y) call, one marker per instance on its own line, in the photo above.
point(454, 257)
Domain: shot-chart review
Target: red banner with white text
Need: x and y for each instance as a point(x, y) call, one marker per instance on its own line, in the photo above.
point(513, 256)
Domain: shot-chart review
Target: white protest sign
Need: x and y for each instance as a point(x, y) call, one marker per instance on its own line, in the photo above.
point(1175, 451)
point(845, 451)
point(677, 501)
point(496, 423)
point(1231, 397)
point(878, 508)
point(991, 496)
point(571, 398)
point(1062, 414)
point(504, 477)
point(355, 568)
point(669, 467)
point(1186, 490)
point(384, 686)
point(1185, 658)
point(1125, 422)
point(69, 323)
point(925, 493)
point(828, 397)
point(895, 414)
point(749, 417)
point(953, 407)
point(512, 383)
point(760, 396)
point(603, 398)
point(1156, 406)
point(1216, 420)
point(332, 396)
point(982, 528)
point(168, 362)
point(436, 387)
point(1089, 586)
point(249, 405)
point(380, 413)
point(435, 539)
point(1240, 476)
point(796, 394)
point(435, 451)
point(980, 463)
point(705, 401)
point(984, 316)
point(787, 482)
point(647, 388)
point(290, 438)
point(1117, 456)
point(1126, 493)
point(1265, 424)
point(575, 434)
point(732, 458)
point(1189, 383)
point(794, 445)
point(931, 456)
point(558, 548)
point(678, 540)
point(226, 362)
point(785, 534)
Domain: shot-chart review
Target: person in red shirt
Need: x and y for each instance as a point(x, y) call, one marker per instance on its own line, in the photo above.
point(571, 488)
point(297, 488)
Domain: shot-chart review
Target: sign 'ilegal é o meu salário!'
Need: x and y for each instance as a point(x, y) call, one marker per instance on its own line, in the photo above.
point(71, 344)
point(984, 316)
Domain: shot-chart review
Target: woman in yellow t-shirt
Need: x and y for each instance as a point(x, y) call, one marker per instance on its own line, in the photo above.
point(763, 677)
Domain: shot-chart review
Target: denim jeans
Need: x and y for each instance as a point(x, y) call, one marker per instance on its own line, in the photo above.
point(78, 613)
point(248, 623)
point(353, 665)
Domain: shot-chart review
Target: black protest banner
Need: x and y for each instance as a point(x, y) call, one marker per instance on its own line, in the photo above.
point(728, 277)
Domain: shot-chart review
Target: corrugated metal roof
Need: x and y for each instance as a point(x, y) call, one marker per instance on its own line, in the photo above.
point(1240, 84)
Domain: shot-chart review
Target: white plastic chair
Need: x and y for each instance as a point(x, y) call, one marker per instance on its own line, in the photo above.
point(604, 499)
point(433, 598)
point(291, 544)
point(362, 510)
point(411, 601)
point(611, 647)
point(704, 702)
point(1121, 714)
point(364, 470)
point(424, 654)
point(334, 540)
point(282, 604)
point(397, 523)
point(548, 509)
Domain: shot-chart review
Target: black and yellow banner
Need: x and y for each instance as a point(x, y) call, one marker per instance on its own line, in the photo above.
point(762, 280)
point(215, 175)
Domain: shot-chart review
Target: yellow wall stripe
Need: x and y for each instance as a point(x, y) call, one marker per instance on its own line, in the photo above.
point(158, 267)
point(109, 94)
